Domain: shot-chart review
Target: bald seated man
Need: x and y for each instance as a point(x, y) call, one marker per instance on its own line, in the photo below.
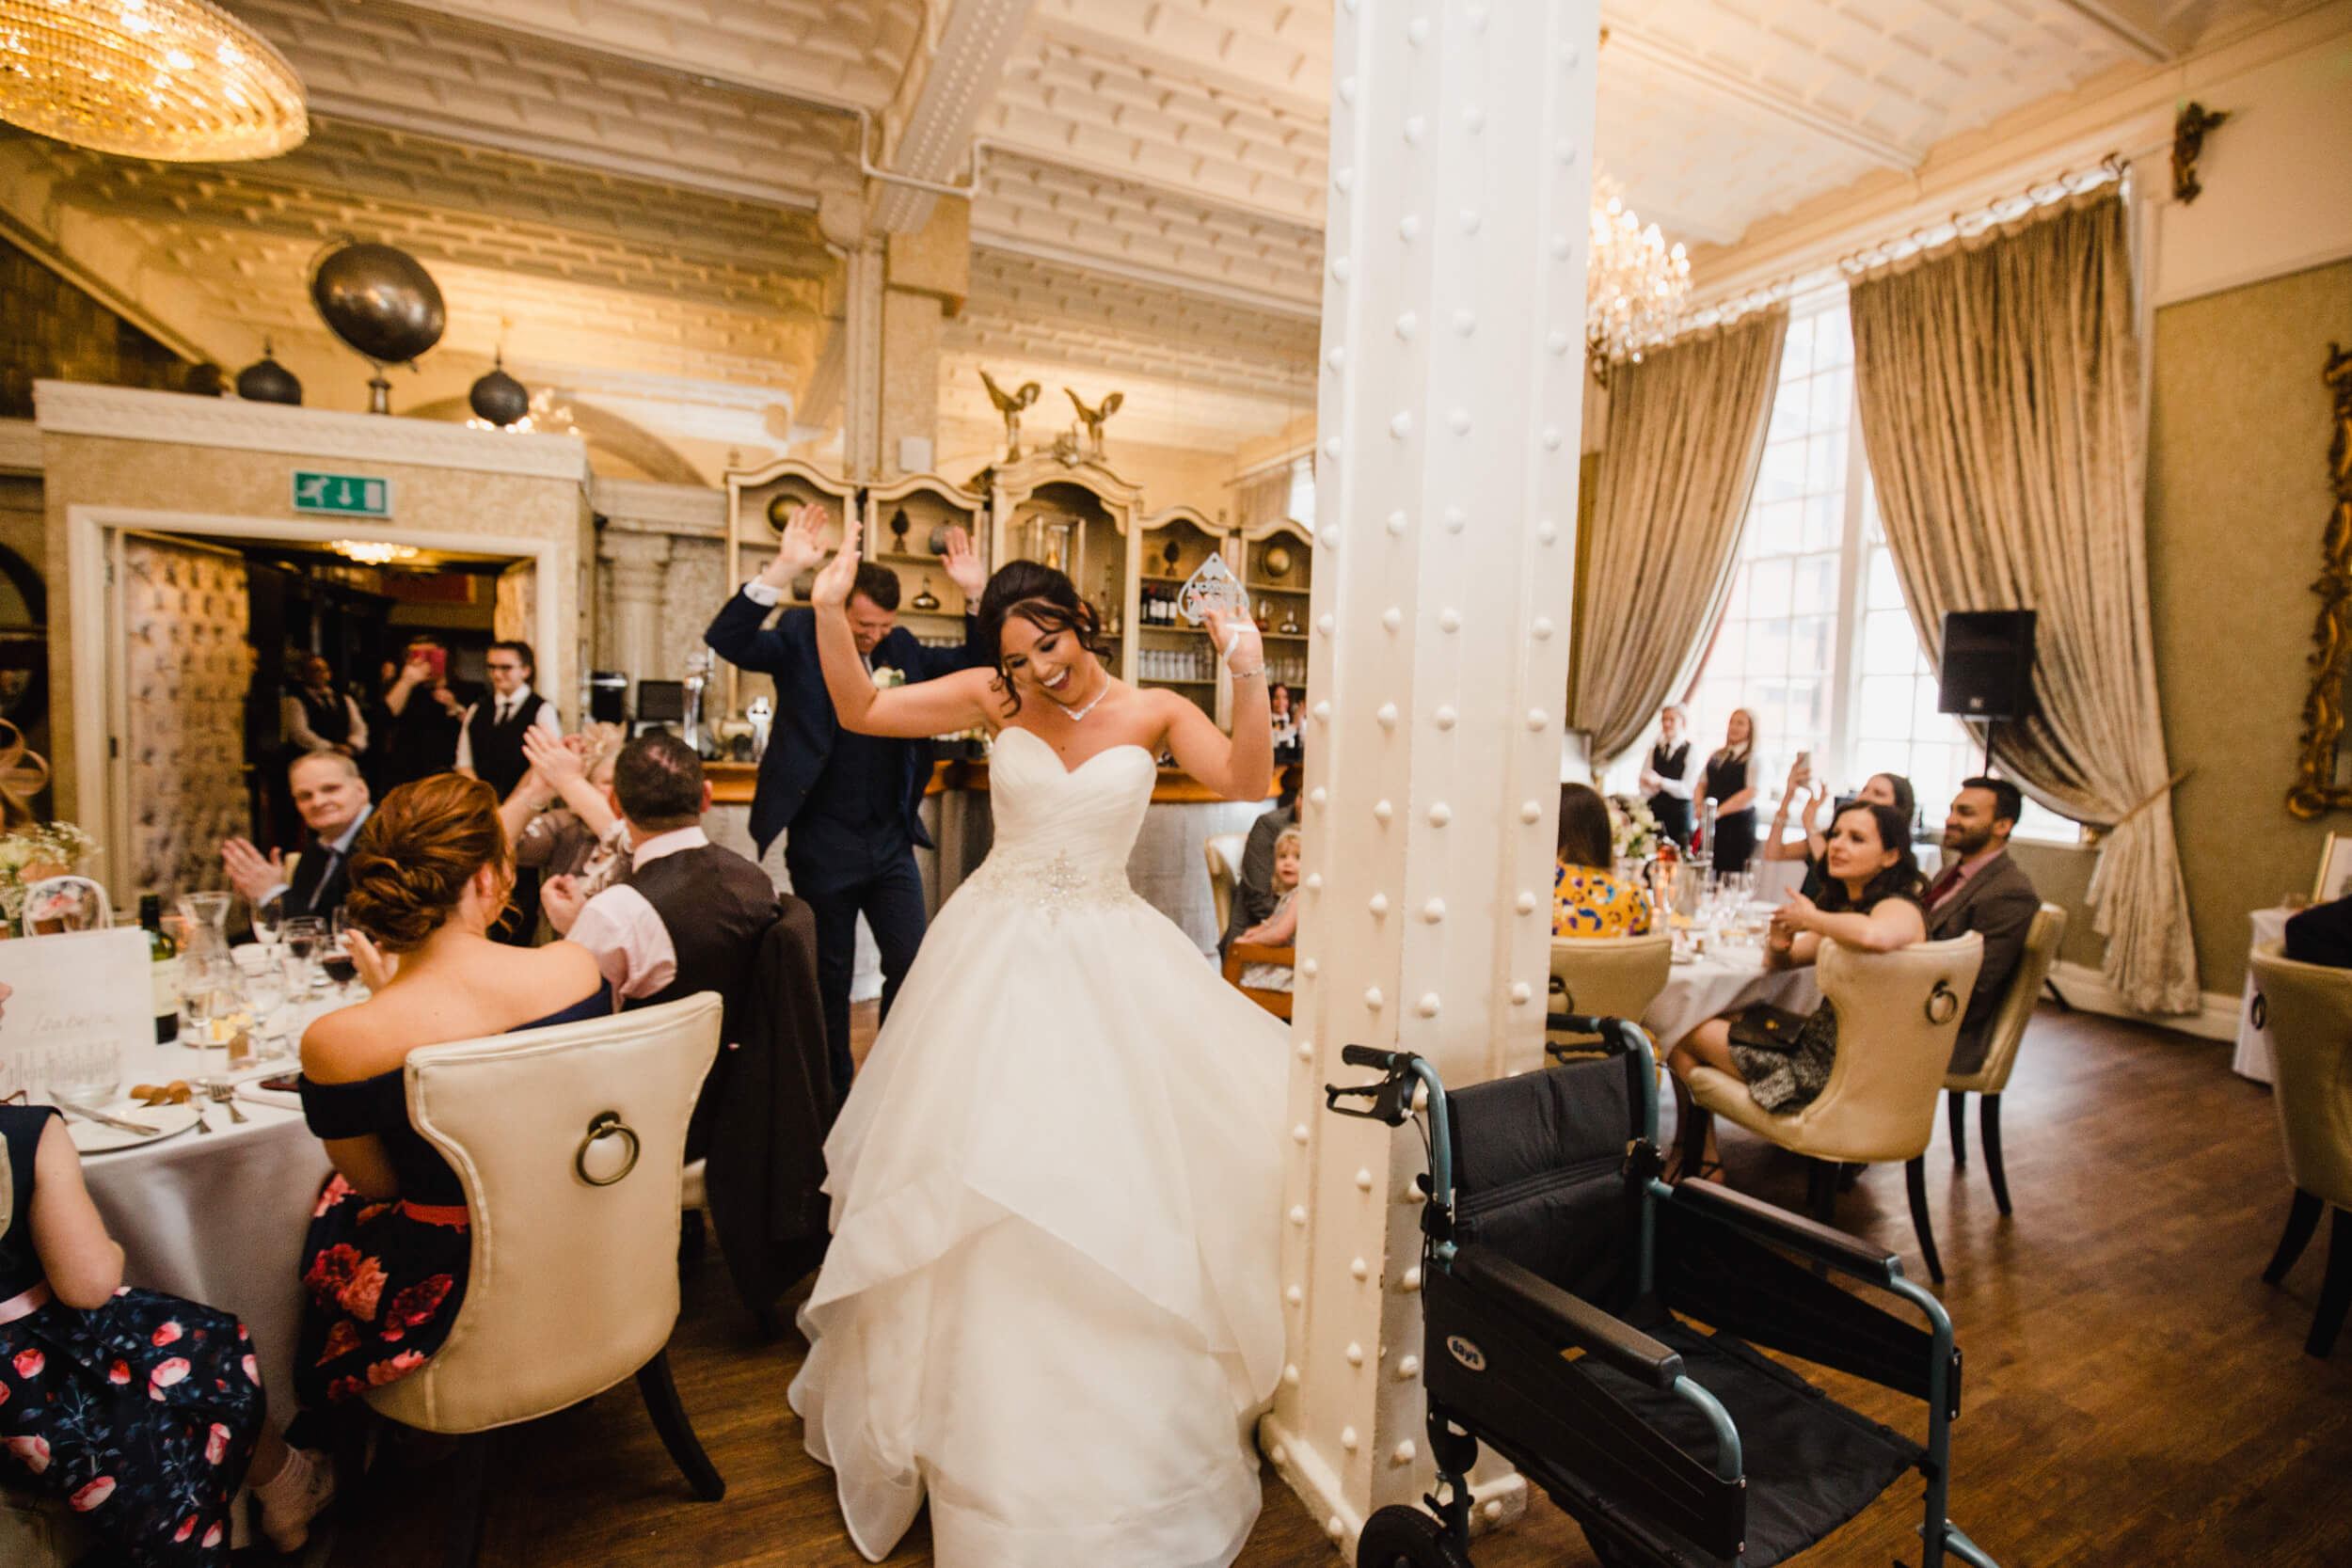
point(333, 802)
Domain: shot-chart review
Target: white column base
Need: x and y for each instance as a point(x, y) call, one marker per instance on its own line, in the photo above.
point(1495, 1502)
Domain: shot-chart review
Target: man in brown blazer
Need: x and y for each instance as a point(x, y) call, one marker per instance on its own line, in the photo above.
point(1982, 890)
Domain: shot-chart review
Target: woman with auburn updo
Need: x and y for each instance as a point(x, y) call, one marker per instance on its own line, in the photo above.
point(385, 1263)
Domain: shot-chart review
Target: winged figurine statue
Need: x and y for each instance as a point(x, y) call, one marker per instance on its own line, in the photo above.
point(1009, 405)
point(1093, 419)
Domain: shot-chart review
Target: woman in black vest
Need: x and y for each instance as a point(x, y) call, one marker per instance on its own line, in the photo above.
point(1667, 779)
point(1731, 790)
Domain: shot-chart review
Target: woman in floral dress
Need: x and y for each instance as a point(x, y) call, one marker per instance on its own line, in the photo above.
point(385, 1263)
point(141, 1411)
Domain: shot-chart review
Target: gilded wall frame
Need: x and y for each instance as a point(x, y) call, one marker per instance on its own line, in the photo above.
point(2315, 790)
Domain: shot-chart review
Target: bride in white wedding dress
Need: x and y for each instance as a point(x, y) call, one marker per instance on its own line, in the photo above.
point(1051, 1303)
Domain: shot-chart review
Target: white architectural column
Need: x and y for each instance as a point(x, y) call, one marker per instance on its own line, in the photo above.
point(640, 563)
point(867, 275)
point(1453, 372)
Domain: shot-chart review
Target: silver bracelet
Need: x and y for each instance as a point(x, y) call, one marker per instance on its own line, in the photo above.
point(1244, 674)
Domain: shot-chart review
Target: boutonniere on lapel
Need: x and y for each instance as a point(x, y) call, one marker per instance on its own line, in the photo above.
point(885, 678)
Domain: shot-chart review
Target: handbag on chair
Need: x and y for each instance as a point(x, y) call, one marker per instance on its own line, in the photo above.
point(1762, 1026)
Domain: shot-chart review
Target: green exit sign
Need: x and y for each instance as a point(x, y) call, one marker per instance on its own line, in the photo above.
point(342, 495)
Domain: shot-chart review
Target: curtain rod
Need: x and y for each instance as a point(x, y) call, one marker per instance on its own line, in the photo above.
point(1967, 221)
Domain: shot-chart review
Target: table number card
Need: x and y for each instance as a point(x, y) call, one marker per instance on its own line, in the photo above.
point(81, 998)
point(1213, 587)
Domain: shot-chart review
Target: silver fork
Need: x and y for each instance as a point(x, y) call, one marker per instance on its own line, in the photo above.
point(225, 1094)
point(201, 1125)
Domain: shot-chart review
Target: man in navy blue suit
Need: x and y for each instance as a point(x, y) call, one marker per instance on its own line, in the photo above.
point(850, 801)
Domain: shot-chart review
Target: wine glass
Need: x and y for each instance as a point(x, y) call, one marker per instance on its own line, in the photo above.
point(265, 995)
point(335, 957)
point(266, 917)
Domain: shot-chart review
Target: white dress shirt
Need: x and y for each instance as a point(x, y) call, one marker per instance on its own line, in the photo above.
point(340, 845)
point(545, 719)
point(632, 944)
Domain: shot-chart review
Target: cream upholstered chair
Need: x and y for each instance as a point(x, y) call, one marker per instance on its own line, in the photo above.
point(41, 1532)
point(569, 1141)
point(1609, 976)
point(2309, 1009)
point(1897, 1016)
point(1224, 852)
point(2002, 1037)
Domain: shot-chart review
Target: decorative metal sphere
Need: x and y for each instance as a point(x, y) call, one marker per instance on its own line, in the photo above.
point(780, 508)
point(1277, 560)
point(380, 301)
point(499, 398)
point(267, 381)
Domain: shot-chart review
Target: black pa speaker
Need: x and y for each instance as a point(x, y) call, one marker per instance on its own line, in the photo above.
point(1988, 664)
point(608, 697)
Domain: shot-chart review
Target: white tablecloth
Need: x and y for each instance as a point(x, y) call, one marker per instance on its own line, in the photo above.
point(2253, 1045)
point(220, 1217)
point(1717, 984)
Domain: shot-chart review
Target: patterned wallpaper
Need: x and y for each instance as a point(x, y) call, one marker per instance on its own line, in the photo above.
point(184, 614)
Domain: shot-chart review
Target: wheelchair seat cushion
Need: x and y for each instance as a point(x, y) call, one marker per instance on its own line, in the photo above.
point(1811, 1463)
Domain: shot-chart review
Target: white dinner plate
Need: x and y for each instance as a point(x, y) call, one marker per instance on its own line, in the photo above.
point(92, 1137)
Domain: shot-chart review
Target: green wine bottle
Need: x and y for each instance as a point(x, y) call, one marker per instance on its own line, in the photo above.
point(163, 968)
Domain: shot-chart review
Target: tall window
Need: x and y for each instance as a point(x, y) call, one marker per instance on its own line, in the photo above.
point(1815, 637)
point(1776, 651)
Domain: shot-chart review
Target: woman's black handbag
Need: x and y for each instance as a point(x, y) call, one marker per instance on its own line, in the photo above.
point(1762, 1026)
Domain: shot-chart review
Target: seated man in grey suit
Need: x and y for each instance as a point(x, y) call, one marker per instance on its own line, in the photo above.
point(1982, 890)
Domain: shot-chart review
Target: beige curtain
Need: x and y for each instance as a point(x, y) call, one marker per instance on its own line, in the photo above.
point(1263, 498)
point(2000, 407)
point(1685, 437)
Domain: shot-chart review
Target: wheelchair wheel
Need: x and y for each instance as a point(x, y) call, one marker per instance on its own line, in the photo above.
point(1402, 1537)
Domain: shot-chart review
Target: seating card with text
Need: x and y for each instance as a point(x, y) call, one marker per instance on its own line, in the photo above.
point(78, 993)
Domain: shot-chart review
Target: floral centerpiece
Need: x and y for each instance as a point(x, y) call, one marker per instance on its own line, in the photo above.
point(1632, 831)
point(29, 853)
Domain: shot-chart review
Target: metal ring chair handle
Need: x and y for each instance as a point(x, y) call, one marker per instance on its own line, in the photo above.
point(2260, 1016)
point(1943, 1003)
point(607, 1124)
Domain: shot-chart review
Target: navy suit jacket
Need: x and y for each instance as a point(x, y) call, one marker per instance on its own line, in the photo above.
point(806, 729)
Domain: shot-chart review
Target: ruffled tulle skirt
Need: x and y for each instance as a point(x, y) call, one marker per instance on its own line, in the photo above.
point(1051, 1304)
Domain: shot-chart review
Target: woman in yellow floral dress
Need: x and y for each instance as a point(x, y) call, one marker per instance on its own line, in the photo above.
point(1588, 899)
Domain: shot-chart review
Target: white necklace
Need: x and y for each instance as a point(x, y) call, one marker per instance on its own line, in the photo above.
point(1074, 713)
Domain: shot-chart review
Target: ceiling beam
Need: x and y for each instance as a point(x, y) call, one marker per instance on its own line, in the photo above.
point(2123, 30)
point(960, 77)
point(1065, 28)
point(1674, 60)
point(1178, 282)
point(565, 154)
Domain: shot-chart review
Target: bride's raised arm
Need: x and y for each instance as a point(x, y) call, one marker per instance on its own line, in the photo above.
point(1241, 766)
point(942, 706)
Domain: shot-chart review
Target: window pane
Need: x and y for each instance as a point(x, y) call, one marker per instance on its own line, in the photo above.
point(1832, 392)
point(1887, 641)
point(1777, 528)
point(1768, 589)
point(1815, 592)
point(1832, 338)
point(1825, 460)
point(1824, 517)
point(1796, 356)
point(1783, 475)
point(1887, 589)
point(1886, 708)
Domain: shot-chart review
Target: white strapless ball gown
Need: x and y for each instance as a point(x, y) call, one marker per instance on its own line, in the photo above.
point(1052, 1301)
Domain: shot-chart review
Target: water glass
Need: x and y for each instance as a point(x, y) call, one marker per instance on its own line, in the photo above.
point(305, 935)
point(88, 1074)
point(265, 995)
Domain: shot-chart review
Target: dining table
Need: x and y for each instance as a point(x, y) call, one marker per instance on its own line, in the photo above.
point(216, 1209)
point(1730, 975)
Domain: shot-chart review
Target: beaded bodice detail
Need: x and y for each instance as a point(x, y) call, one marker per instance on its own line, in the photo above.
point(1062, 834)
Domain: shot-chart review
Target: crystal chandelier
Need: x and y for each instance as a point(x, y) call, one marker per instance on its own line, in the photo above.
point(177, 80)
point(1635, 285)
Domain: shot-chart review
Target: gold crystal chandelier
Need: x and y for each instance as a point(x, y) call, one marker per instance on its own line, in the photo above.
point(177, 80)
point(1635, 284)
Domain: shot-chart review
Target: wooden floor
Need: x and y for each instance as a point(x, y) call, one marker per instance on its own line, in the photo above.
point(2134, 1395)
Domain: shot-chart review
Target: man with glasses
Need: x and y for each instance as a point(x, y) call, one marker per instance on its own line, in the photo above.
point(490, 744)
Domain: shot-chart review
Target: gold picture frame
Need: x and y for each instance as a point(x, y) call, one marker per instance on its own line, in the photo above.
point(2335, 870)
point(2315, 790)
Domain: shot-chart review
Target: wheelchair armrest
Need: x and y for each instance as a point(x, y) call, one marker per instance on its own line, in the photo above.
point(1627, 1349)
point(1798, 1234)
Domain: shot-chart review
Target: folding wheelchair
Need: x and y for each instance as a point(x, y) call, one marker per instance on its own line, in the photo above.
point(1562, 1286)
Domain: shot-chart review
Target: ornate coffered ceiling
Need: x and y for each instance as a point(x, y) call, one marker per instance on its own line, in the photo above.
point(633, 186)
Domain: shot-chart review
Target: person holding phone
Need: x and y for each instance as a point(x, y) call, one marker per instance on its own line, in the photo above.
point(425, 716)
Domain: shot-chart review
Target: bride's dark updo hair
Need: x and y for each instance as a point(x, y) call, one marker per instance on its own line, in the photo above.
point(420, 846)
point(1042, 595)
